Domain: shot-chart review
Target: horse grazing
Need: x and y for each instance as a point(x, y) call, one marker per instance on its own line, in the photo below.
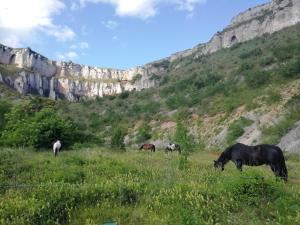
point(56, 147)
point(173, 147)
point(148, 147)
point(257, 155)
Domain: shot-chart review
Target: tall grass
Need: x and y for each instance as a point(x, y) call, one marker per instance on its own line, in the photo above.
point(94, 185)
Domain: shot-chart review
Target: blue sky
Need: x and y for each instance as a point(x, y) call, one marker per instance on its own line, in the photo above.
point(114, 33)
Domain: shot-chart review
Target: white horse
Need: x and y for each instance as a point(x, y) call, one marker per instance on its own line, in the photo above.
point(56, 147)
point(173, 147)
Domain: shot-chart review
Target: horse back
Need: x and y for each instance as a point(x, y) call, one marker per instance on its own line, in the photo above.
point(257, 155)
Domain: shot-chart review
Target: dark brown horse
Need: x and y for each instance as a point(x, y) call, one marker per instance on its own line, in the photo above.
point(150, 147)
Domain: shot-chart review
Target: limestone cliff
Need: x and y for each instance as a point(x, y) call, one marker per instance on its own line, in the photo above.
point(255, 22)
point(68, 80)
point(39, 75)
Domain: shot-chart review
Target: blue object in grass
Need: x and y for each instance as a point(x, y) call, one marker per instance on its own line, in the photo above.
point(110, 222)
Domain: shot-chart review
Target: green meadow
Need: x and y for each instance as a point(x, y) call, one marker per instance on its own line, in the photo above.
point(92, 185)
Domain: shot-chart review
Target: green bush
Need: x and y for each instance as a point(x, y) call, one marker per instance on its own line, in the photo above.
point(144, 133)
point(124, 95)
point(284, 52)
point(236, 129)
point(183, 138)
point(117, 139)
point(267, 61)
point(251, 53)
point(256, 78)
point(25, 126)
point(4, 108)
point(291, 69)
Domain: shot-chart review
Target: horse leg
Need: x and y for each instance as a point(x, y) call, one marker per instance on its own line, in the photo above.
point(239, 164)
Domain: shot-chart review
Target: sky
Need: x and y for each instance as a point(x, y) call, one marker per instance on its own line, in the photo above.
point(114, 33)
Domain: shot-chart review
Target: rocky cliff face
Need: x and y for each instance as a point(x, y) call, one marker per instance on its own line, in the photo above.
point(72, 81)
point(255, 22)
point(68, 80)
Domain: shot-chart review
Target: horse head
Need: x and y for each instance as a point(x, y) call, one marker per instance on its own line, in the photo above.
point(219, 164)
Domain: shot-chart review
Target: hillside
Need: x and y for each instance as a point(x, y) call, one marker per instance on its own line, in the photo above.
point(254, 85)
point(249, 91)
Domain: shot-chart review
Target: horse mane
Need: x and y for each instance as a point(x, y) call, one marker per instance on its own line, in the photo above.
point(225, 155)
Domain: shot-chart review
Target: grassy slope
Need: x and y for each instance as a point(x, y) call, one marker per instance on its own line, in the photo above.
point(90, 186)
point(251, 75)
point(209, 93)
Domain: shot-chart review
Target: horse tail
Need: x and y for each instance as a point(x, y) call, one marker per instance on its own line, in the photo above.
point(153, 148)
point(283, 170)
point(141, 147)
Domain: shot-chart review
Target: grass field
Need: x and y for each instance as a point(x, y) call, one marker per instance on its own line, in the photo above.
point(136, 187)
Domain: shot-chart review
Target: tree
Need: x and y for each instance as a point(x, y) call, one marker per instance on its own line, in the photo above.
point(144, 133)
point(37, 128)
point(117, 139)
point(185, 141)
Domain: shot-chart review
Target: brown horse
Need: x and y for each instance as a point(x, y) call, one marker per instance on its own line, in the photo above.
point(148, 147)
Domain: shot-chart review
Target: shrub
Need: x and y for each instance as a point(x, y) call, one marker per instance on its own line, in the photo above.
point(256, 78)
point(38, 129)
point(4, 108)
point(177, 100)
point(291, 69)
point(250, 53)
point(245, 67)
point(274, 133)
point(117, 139)
point(144, 133)
point(183, 138)
point(236, 129)
point(283, 53)
point(266, 61)
point(124, 95)
point(164, 64)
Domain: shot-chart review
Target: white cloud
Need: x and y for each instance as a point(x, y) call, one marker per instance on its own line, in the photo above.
point(61, 33)
point(67, 55)
point(10, 39)
point(110, 24)
point(71, 54)
point(80, 45)
point(144, 8)
point(22, 19)
point(188, 5)
point(115, 38)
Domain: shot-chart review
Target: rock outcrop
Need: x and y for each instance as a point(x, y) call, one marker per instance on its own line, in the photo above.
point(255, 22)
point(291, 141)
point(68, 80)
point(72, 81)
